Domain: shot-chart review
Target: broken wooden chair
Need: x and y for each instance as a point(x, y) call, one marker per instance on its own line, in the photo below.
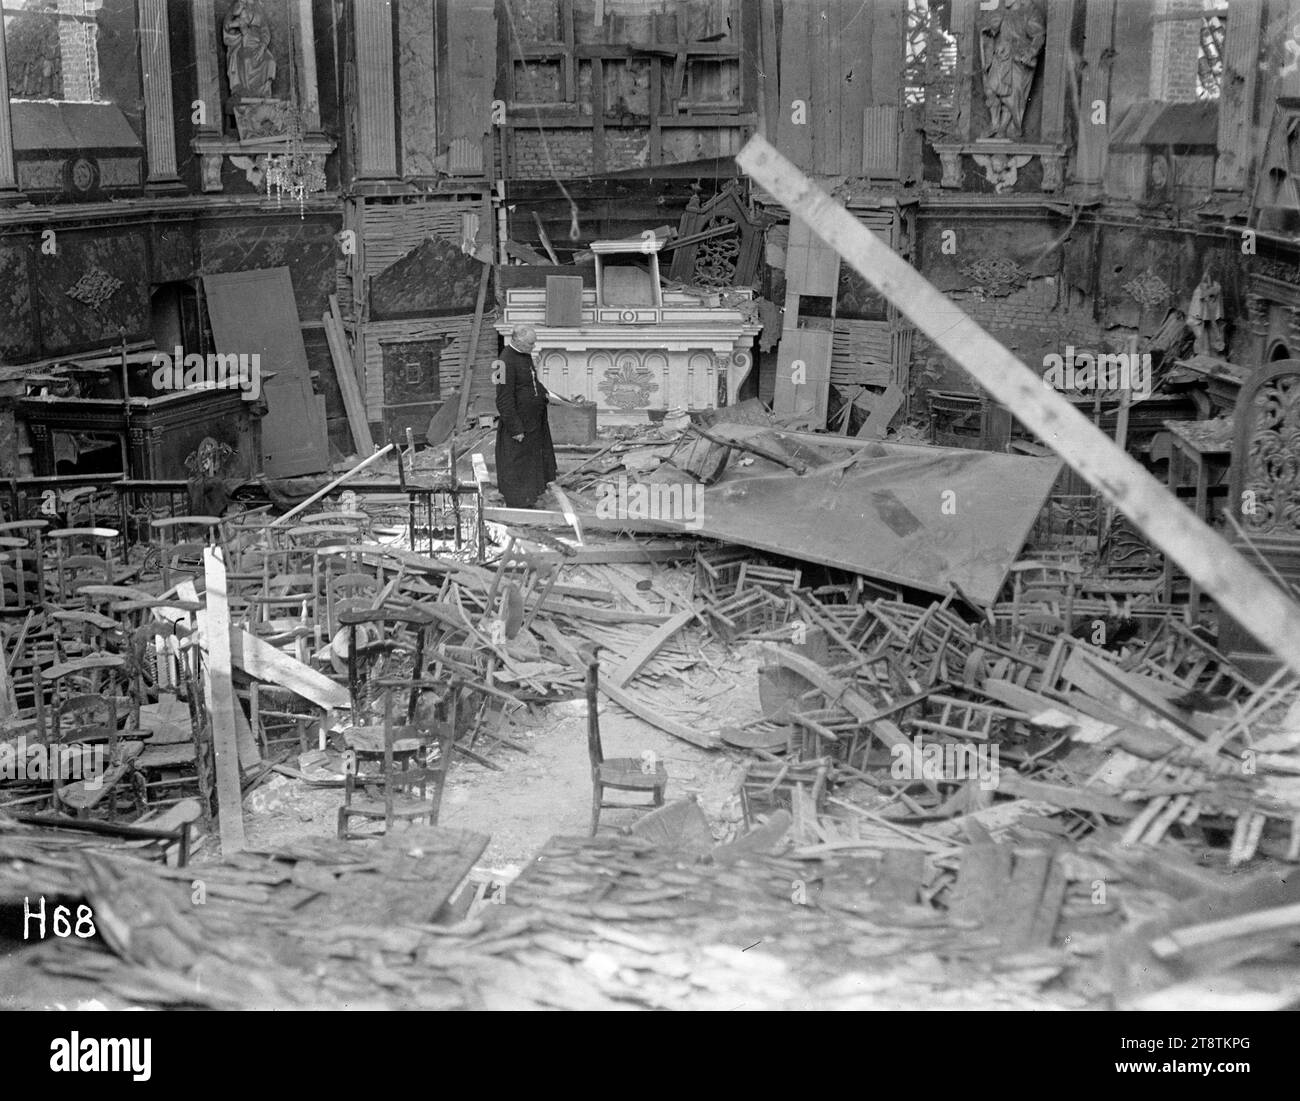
point(524, 578)
point(404, 795)
point(181, 541)
point(84, 556)
point(644, 774)
point(26, 569)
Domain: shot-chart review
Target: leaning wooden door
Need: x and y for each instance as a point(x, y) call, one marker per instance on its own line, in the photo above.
point(254, 313)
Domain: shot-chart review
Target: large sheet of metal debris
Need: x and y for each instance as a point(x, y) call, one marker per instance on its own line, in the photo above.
point(924, 517)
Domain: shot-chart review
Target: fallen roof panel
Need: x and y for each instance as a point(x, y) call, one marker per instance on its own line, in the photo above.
point(910, 515)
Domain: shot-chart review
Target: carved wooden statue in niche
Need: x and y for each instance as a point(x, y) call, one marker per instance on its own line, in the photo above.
point(250, 65)
point(1205, 315)
point(1011, 38)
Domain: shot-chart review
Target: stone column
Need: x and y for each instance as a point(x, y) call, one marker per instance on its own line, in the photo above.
point(159, 114)
point(1241, 48)
point(203, 24)
point(376, 121)
point(305, 42)
point(8, 178)
point(1098, 43)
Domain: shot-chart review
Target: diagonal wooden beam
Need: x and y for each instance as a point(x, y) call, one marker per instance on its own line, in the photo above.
point(1268, 613)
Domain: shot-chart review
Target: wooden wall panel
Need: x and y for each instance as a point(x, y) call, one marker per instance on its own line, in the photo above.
point(794, 139)
point(472, 50)
point(1099, 36)
point(17, 323)
point(1237, 101)
point(450, 366)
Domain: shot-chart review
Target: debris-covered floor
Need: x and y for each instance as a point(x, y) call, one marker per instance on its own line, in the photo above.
point(872, 796)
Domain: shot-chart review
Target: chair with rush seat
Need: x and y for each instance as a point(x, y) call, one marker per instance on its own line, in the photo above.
point(401, 793)
point(618, 773)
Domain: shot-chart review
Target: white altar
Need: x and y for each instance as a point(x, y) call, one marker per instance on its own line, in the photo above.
point(636, 347)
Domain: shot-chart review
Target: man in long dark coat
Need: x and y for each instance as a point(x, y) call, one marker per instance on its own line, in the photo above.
point(525, 454)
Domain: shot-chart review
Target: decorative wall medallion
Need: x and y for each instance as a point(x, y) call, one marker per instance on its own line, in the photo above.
point(996, 275)
point(1148, 290)
point(81, 174)
point(628, 385)
point(94, 288)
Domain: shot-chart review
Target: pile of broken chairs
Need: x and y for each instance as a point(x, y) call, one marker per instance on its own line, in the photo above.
point(1117, 713)
point(105, 699)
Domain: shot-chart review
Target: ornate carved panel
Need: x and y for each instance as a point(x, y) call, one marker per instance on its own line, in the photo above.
point(727, 259)
point(1266, 459)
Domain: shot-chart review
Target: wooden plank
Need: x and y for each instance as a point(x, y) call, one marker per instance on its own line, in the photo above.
point(1098, 50)
point(597, 115)
point(885, 42)
point(622, 697)
point(1067, 797)
point(467, 364)
point(769, 66)
point(795, 137)
point(1043, 927)
point(1021, 899)
point(255, 313)
point(1237, 100)
point(353, 403)
point(855, 68)
point(823, 102)
point(604, 555)
point(1057, 78)
point(262, 661)
point(981, 884)
point(1206, 557)
point(220, 695)
point(1196, 936)
point(877, 424)
point(636, 660)
point(656, 109)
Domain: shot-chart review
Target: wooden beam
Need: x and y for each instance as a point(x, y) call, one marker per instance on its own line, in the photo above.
point(637, 659)
point(769, 68)
point(1094, 89)
point(1205, 556)
point(262, 661)
point(597, 115)
point(467, 360)
point(1241, 45)
point(353, 402)
point(623, 698)
point(220, 695)
point(656, 109)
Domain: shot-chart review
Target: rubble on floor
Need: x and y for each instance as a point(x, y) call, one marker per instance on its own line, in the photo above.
point(1065, 797)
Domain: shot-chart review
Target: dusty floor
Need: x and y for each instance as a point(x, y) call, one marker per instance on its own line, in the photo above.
point(546, 791)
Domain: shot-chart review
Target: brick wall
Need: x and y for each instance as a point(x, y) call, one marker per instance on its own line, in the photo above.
point(1176, 45)
point(1032, 322)
point(569, 150)
point(77, 53)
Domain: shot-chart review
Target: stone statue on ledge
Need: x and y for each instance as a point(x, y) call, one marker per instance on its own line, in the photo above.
point(1011, 38)
point(1205, 316)
point(250, 65)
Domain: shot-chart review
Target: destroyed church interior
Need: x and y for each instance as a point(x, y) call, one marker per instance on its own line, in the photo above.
point(791, 504)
